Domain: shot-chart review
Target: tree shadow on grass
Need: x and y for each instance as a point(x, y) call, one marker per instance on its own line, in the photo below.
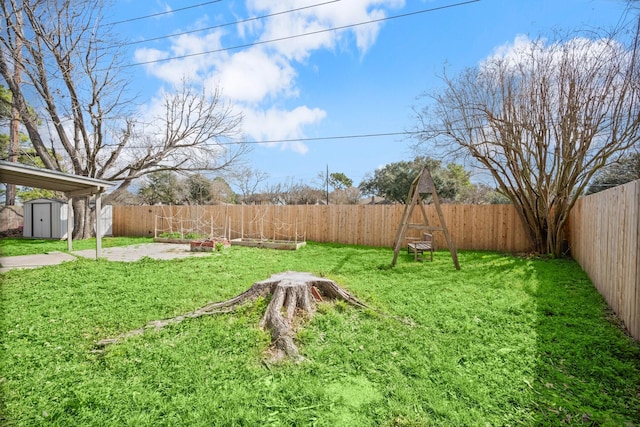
point(580, 368)
point(588, 369)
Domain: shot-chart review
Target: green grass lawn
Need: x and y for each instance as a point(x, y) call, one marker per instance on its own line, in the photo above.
point(504, 341)
point(17, 246)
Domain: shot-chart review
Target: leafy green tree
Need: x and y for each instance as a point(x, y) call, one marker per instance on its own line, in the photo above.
point(454, 181)
point(339, 181)
point(26, 155)
point(28, 193)
point(161, 187)
point(625, 170)
point(4, 145)
point(393, 181)
point(198, 189)
point(5, 103)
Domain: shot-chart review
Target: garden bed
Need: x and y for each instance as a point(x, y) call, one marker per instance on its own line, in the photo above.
point(208, 245)
point(172, 240)
point(269, 244)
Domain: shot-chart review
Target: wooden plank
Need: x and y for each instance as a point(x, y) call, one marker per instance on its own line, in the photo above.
point(605, 241)
point(634, 326)
point(632, 276)
point(360, 225)
point(424, 227)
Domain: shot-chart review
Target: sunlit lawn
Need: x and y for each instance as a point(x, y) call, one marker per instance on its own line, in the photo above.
point(17, 246)
point(504, 341)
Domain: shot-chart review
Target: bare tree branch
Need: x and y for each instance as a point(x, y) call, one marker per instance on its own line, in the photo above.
point(71, 76)
point(542, 118)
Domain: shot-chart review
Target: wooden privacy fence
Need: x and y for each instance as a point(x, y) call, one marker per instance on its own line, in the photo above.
point(480, 227)
point(604, 232)
point(605, 241)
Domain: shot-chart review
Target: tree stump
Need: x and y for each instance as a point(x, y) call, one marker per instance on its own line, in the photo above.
point(294, 295)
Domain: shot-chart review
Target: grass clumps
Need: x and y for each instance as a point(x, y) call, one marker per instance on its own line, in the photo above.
point(504, 341)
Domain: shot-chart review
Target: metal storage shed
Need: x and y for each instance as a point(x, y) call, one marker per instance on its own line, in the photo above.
point(45, 218)
point(71, 185)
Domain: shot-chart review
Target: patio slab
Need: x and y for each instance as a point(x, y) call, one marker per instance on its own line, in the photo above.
point(122, 253)
point(34, 261)
point(136, 252)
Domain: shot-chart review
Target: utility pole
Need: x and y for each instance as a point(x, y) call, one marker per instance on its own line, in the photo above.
point(326, 177)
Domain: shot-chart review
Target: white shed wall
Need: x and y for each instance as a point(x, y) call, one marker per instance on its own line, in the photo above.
point(58, 219)
point(48, 210)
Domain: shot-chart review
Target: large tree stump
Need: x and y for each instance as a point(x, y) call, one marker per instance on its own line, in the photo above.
point(294, 295)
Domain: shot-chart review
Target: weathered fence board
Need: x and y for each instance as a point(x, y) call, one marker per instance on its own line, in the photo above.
point(488, 227)
point(605, 241)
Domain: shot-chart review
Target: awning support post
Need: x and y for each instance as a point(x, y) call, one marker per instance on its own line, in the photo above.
point(69, 224)
point(98, 225)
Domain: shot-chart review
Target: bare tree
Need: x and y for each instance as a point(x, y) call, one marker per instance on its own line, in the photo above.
point(348, 196)
point(70, 65)
point(247, 180)
point(271, 194)
point(299, 193)
point(221, 191)
point(289, 193)
point(542, 118)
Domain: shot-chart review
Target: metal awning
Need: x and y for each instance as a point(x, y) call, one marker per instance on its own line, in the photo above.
point(71, 185)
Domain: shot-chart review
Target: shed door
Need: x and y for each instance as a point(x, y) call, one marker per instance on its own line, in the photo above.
point(41, 220)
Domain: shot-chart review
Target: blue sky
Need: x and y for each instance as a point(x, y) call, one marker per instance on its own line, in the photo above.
point(360, 80)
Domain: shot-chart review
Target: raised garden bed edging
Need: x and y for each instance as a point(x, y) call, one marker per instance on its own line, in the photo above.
point(207, 245)
point(172, 240)
point(269, 244)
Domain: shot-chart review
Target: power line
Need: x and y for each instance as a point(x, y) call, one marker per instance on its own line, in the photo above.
point(163, 13)
point(243, 21)
point(319, 138)
point(373, 21)
point(325, 138)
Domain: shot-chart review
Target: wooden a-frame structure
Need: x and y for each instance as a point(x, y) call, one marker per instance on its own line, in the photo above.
point(423, 184)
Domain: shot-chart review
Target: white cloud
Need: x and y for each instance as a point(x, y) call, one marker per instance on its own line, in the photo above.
point(190, 68)
point(259, 77)
point(252, 76)
point(274, 124)
point(320, 18)
point(165, 6)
